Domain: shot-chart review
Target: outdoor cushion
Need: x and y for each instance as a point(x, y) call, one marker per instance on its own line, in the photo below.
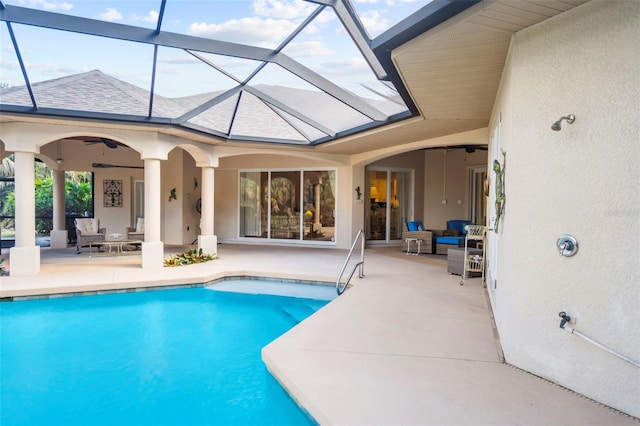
point(89, 226)
point(449, 240)
point(415, 225)
point(458, 225)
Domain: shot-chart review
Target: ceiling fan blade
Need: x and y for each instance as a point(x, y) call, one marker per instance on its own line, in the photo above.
point(468, 148)
point(109, 166)
point(109, 143)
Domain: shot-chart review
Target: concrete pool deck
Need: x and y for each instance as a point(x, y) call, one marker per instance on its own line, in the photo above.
point(405, 345)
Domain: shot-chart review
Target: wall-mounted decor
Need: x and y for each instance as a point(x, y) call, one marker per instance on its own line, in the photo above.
point(500, 196)
point(112, 193)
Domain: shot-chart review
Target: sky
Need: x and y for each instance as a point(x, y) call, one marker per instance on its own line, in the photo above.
point(323, 46)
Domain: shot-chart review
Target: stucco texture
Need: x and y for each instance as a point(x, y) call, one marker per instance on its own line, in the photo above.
point(582, 180)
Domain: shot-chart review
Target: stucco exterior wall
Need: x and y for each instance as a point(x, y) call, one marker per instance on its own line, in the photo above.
point(458, 167)
point(226, 191)
point(226, 204)
point(191, 186)
point(172, 172)
point(583, 180)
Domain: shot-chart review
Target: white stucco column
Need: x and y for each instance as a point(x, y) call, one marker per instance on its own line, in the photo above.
point(25, 256)
point(152, 247)
point(59, 233)
point(207, 241)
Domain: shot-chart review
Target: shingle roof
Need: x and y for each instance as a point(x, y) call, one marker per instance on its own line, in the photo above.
point(241, 116)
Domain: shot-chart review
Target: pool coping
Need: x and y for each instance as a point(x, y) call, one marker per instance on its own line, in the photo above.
point(140, 287)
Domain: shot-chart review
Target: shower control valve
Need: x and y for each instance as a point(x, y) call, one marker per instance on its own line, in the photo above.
point(567, 245)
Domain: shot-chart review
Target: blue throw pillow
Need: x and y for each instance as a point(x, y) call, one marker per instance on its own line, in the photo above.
point(415, 225)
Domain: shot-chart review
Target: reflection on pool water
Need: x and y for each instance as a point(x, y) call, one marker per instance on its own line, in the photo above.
point(173, 357)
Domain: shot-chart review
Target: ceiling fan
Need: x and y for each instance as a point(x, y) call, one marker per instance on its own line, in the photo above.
point(109, 143)
point(108, 166)
point(90, 140)
point(469, 149)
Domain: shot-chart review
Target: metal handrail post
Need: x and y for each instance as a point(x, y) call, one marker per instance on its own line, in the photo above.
point(361, 274)
point(360, 264)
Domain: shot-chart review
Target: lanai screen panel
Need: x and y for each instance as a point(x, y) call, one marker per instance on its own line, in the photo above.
point(66, 72)
point(219, 67)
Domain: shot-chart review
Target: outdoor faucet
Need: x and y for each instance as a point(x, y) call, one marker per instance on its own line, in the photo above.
point(564, 318)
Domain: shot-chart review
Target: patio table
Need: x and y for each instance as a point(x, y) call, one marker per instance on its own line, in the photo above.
point(118, 244)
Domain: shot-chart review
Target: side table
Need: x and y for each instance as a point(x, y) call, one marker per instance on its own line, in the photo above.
point(455, 261)
point(418, 242)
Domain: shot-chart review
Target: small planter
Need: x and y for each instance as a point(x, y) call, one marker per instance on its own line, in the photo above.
point(189, 257)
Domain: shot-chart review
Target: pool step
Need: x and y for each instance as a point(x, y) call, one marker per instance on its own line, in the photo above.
point(296, 313)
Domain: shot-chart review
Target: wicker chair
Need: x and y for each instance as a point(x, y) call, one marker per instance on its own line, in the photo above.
point(453, 236)
point(88, 231)
point(137, 232)
point(415, 230)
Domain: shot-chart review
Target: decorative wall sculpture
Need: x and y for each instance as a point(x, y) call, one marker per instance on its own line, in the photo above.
point(500, 196)
point(112, 193)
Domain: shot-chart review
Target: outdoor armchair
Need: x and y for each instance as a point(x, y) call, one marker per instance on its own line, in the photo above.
point(453, 236)
point(88, 231)
point(137, 232)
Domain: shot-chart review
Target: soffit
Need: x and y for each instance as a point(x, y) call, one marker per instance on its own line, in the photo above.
point(453, 71)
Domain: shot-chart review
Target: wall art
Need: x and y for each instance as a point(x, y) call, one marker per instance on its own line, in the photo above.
point(112, 193)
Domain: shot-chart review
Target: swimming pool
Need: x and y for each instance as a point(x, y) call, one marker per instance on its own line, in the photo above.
point(172, 357)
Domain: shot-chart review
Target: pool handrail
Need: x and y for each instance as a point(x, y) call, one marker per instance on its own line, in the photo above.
point(340, 288)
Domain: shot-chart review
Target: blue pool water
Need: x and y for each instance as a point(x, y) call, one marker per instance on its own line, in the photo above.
point(173, 357)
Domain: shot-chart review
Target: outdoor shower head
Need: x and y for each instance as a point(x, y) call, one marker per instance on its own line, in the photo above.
point(557, 126)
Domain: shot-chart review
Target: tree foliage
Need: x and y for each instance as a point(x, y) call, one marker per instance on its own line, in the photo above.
point(78, 195)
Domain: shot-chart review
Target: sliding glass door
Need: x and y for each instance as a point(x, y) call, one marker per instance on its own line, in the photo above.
point(287, 205)
point(253, 204)
point(388, 203)
point(319, 205)
point(478, 195)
